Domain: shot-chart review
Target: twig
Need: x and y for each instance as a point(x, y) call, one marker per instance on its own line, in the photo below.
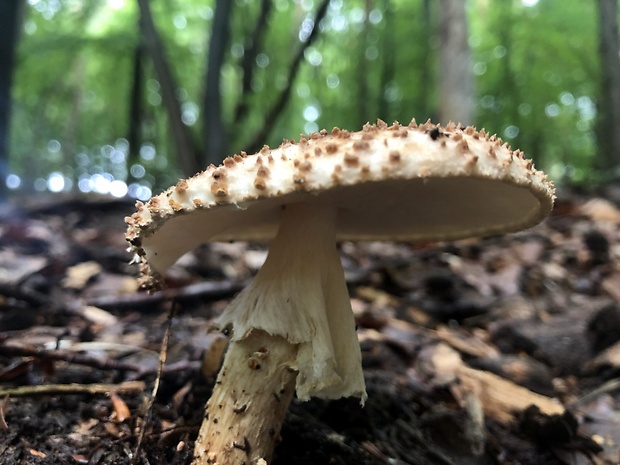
point(211, 289)
point(3, 425)
point(163, 353)
point(73, 388)
point(70, 357)
point(93, 362)
point(608, 386)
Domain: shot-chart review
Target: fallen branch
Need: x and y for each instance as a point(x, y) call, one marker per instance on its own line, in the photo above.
point(93, 362)
point(210, 289)
point(55, 389)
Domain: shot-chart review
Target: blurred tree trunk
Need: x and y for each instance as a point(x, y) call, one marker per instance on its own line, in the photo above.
point(214, 129)
point(456, 101)
point(10, 22)
point(271, 116)
point(388, 68)
point(426, 73)
point(135, 107)
point(251, 50)
point(608, 125)
point(363, 104)
point(181, 135)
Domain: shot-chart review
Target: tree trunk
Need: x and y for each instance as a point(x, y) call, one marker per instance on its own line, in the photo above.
point(426, 109)
point(135, 107)
point(362, 100)
point(214, 129)
point(248, 64)
point(608, 129)
point(456, 101)
point(180, 132)
point(275, 111)
point(388, 65)
point(10, 21)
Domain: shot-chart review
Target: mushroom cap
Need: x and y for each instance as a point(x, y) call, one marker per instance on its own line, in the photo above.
point(407, 183)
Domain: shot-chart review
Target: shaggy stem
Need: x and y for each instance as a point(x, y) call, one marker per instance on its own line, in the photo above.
point(292, 331)
point(250, 398)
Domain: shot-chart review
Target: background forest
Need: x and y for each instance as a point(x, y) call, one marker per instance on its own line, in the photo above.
point(125, 96)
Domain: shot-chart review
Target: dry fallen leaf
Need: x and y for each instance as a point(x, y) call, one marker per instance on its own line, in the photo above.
point(600, 210)
point(37, 453)
point(79, 275)
point(120, 407)
point(502, 399)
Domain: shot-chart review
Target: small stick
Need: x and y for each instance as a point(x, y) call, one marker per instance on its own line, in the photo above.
point(72, 388)
point(604, 388)
point(163, 353)
point(93, 362)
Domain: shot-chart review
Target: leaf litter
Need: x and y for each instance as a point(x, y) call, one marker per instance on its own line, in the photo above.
point(502, 350)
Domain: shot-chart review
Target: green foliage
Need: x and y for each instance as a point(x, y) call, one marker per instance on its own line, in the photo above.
point(536, 74)
point(537, 78)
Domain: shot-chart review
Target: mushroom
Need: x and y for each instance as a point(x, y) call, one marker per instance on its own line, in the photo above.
point(292, 330)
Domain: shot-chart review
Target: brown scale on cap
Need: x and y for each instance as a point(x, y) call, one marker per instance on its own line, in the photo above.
point(176, 206)
point(369, 128)
point(351, 160)
point(181, 186)
point(331, 148)
point(219, 189)
point(305, 166)
point(463, 146)
point(361, 145)
point(471, 162)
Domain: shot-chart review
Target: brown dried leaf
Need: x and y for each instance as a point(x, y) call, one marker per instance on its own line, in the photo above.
point(502, 399)
point(79, 275)
point(600, 210)
point(120, 407)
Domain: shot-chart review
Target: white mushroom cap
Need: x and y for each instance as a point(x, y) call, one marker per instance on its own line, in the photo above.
point(411, 183)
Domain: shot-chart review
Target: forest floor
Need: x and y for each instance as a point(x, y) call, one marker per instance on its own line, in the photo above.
point(504, 350)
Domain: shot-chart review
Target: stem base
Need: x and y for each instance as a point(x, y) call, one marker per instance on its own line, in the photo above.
point(251, 395)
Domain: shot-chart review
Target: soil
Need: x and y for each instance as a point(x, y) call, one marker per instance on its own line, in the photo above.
point(501, 350)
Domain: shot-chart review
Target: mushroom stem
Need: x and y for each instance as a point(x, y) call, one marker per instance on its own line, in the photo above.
point(250, 398)
point(292, 324)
